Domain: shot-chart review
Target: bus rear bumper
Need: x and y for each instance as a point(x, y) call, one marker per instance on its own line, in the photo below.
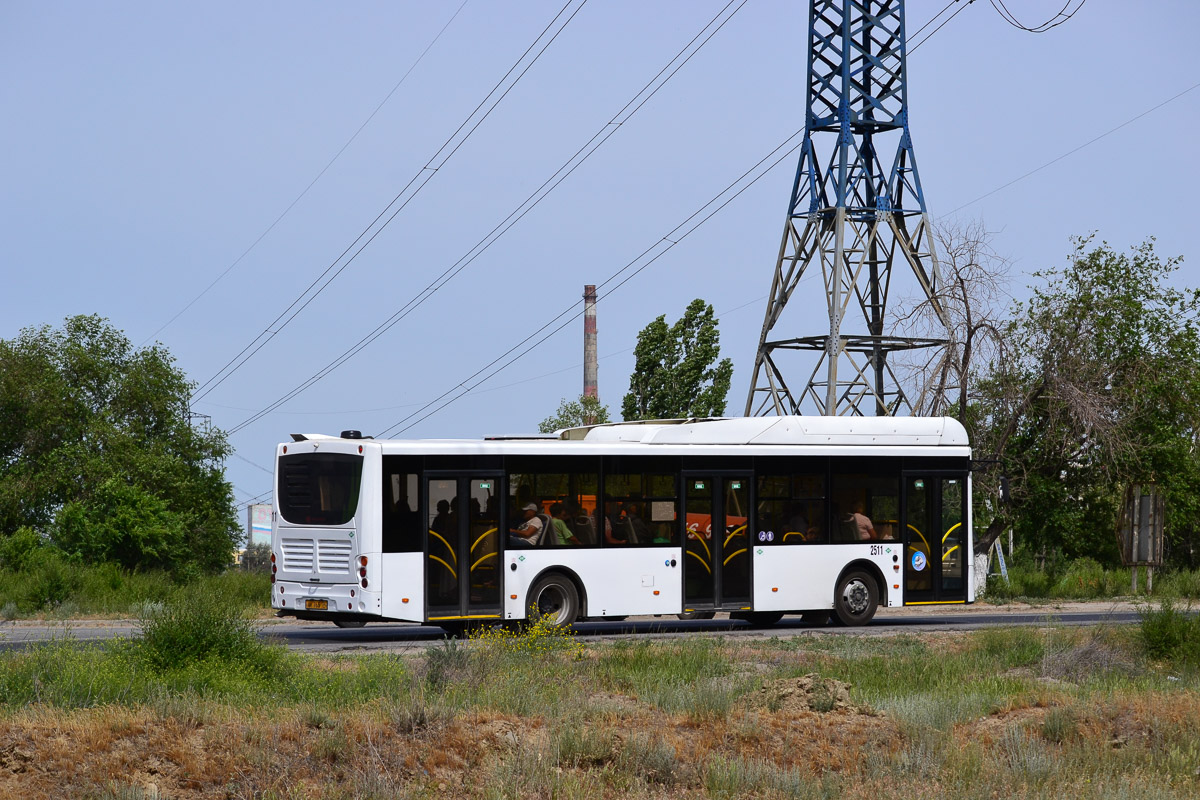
point(328, 600)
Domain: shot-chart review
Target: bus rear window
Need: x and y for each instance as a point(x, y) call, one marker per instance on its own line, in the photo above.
point(319, 488)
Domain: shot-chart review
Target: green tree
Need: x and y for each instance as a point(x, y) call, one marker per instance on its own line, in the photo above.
point(574, 413)
point(1097, 386)
point(98, 454)
point(676, 370)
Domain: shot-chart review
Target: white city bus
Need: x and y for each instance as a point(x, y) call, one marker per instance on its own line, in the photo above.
point(757, 517)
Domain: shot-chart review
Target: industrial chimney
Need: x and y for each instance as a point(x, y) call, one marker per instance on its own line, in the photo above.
point(589, 341)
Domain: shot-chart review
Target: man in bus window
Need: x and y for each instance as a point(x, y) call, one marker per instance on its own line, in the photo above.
point(529, 532)
point(562, 533)
point(862, 523)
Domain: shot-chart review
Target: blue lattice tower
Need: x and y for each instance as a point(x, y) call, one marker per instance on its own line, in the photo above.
point(853, 215)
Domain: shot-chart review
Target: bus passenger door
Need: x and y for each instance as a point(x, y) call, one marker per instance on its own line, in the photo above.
point(935, 538)
point(462, 562)
point(716, 557)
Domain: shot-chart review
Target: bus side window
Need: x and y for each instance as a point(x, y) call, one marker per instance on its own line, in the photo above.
point(791, 509)
point(643, 509)
point(866, 505)
point(401, 515)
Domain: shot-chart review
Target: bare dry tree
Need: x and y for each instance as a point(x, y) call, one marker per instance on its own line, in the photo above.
point(965, 308)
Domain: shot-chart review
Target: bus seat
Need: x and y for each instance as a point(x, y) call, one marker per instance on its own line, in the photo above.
point(584, 530)
point(549, 537)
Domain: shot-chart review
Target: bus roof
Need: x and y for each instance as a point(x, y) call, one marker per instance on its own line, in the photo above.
point(811, 431)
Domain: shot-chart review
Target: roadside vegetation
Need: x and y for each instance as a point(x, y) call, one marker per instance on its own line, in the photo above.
point(199, 706)
point(1087, 579)
point(55, 587)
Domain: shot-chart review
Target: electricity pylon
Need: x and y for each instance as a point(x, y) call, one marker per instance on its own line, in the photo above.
point(850, 216)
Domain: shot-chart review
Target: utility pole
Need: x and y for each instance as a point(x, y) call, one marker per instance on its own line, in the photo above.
point(852, 215)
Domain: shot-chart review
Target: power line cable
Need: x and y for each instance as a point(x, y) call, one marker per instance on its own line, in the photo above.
point(913, 49)
point(537, 196)
point(662, 246)
point(672, 242)
point(1071, 152)
point(420, 179)
point(1054, 21)
point(313, 182)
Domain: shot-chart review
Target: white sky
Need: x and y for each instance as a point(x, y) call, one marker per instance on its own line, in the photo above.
point(145, 146)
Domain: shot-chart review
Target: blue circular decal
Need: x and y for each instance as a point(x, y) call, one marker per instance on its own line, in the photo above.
point(918, 561)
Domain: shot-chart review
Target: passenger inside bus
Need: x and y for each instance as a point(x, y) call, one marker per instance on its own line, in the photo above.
point(615, 532)
point(562, 533)
point(863, 528)
point(529, 532)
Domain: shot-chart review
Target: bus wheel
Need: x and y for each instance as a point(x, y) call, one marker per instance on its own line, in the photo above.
point(555, 599)
point(696, 614)
point(349, 623)
point(856, 598)
point(818, 619)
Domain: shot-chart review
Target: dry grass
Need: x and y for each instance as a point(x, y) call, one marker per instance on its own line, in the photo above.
point(695, 719)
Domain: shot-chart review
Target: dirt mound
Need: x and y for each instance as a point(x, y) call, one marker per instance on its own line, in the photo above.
point(808, 692)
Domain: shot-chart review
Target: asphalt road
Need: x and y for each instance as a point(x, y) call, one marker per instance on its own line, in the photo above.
point(324, 637)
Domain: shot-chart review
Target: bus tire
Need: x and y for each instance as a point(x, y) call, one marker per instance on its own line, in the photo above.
point(856, 598)
point(759, 619)
point(817, 619)
point(554, 597)
point(696, 614)
point(349, 623)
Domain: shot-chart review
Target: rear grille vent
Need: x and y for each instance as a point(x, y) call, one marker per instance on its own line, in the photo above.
point(333, 555)
point(297, 555)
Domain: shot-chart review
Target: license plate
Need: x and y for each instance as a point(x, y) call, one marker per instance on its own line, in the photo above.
point(316, 605)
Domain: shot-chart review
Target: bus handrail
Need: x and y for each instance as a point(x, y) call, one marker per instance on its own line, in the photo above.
point(736, 531)
point(482, 558)
point(696, 556)
point(480, 539)
point(444, 564)
point(731, 555)
point(448, 547)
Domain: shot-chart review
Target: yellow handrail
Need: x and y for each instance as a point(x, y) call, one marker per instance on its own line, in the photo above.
point(736, 531)
point(793, 533)
point(947, 533)
point(696, 556)
point(448, 547)
point(483, 558)
point(918, 533)
point(731, 555)
point(444, 564)
point(948, 552)
point(480, 539)
point(700, 539)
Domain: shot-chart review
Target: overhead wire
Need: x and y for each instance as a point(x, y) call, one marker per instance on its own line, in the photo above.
point(581, 155)
point(1075, 150)
point(622, 276)
point(1054, 21)
point(313, 182)
point(419, 179)
point(445, 399)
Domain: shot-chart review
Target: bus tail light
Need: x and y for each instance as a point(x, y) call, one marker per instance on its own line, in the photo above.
point(362, 560)
point(362, 572)
point(364, 583)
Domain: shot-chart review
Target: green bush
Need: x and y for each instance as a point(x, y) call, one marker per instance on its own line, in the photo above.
point(1170, 633)
point(1084, 579)
point(199, 626)
point(19, 548)
point(46, 582)
point(1181, 583)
